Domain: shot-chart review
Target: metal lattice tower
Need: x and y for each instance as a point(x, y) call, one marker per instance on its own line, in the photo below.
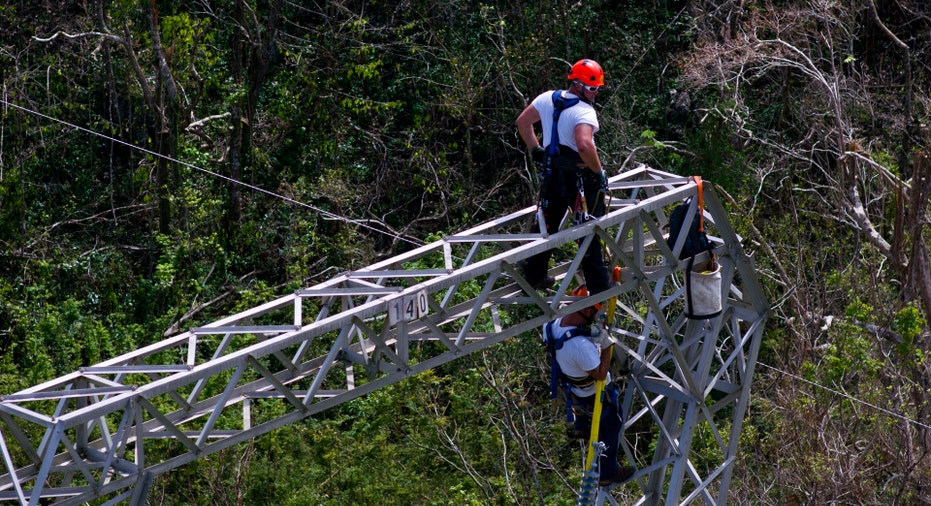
point(85, 436)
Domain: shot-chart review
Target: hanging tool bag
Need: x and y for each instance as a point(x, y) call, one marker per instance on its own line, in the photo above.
point(703, 281)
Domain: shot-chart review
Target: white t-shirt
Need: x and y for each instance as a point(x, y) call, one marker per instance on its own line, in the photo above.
point(577, 356)
point(570, 117)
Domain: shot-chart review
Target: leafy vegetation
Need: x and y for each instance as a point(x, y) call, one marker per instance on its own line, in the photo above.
point(165, 163)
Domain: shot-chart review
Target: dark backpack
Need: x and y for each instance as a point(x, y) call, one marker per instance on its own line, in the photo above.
point(696, 241)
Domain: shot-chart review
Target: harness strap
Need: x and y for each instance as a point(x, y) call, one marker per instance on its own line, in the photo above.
point(559, 104)
point(701, 221)
point(701, 204)
point(579, 382)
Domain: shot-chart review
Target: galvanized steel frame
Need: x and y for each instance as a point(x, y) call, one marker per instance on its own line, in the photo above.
point(90, 434)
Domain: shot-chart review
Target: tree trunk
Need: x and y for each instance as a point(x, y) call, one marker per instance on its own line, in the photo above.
point(919, 276)
point(261, 56)
point(234, 213)
point(165, 136)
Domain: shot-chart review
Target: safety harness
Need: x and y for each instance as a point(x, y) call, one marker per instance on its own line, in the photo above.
point(560, 103)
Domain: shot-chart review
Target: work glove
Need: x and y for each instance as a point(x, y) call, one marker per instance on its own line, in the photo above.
point(537, 154)
point(599, 337)
point(603, 179)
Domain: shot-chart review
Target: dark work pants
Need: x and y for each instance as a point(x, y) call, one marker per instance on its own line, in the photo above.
point(558, 194)
point(609, 429)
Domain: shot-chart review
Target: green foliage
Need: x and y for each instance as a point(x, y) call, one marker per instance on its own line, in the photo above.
point(401, 114)
point(909, 323)
point(858, 310)
point(717, 157)
point(849, 354)
point(60, 338)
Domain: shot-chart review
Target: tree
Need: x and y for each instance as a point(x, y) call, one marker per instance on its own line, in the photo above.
point(254, 48)
point(809, 48)
point(169, 96)
point(830, 96)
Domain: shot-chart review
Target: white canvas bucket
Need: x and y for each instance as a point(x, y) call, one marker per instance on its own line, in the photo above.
point(703, 292)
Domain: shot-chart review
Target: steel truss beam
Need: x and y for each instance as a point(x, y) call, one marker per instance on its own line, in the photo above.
point(103, 432)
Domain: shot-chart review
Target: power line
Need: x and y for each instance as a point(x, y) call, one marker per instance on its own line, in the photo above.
point(848, 396)
point(416, 243)
point(214, 174)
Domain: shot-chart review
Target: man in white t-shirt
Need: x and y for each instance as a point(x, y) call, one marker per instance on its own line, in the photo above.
point(568, 157)
point(583, 358)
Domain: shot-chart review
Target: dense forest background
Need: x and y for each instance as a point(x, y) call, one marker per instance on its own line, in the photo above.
point(163, 164)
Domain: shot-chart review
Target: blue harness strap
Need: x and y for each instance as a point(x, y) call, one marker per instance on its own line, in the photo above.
point(559, 104)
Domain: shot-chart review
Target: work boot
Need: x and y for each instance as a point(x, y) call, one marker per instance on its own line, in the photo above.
point(544, 283)
point(623, 474)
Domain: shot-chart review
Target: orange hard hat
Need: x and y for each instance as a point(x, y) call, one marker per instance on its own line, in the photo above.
point(588, 72)
point(582, 291)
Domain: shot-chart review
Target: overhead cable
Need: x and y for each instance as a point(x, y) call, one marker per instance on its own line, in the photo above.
point(850, 397)
point(325, 213)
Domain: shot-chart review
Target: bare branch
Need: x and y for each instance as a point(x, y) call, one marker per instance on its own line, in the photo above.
point(882, 26)
point(82, 35)
point(203, 121)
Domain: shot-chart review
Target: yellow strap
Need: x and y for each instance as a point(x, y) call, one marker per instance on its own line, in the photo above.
point(596, 421)
point(600, 384)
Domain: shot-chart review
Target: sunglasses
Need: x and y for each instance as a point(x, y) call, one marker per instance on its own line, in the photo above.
point(593, 89)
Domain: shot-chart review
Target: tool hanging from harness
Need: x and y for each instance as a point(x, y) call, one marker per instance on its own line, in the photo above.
point(560, 103)
point(580, 214)
point(557, 377)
